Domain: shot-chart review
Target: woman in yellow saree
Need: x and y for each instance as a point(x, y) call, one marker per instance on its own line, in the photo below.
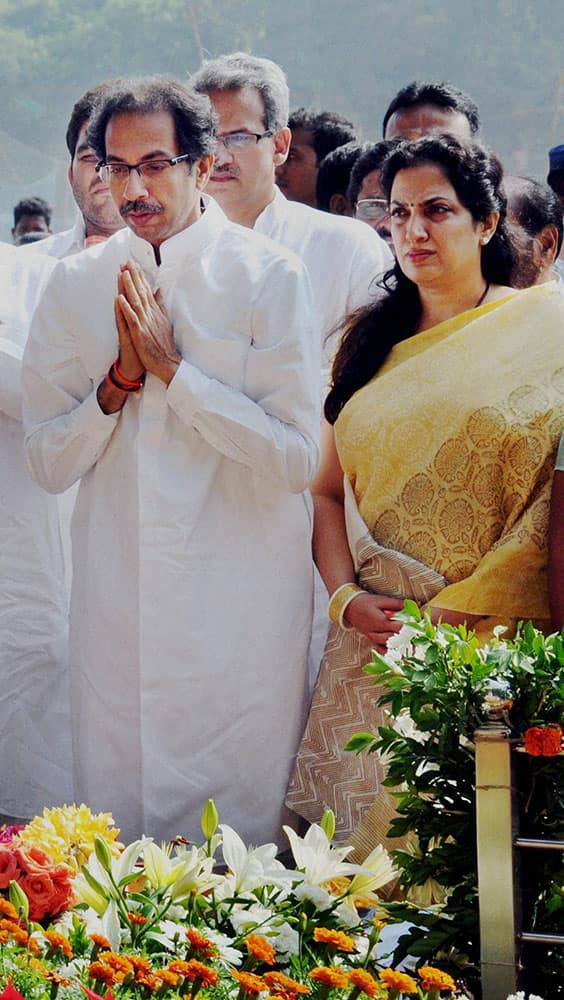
point(443, 422)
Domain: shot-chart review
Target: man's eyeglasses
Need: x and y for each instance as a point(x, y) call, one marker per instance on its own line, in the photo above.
point(238, 141)
point(373, 209)
point(113, 173)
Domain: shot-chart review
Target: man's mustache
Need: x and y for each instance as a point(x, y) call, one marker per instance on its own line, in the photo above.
point(139, 207)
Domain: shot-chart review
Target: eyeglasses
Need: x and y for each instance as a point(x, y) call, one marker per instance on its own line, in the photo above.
point(372, 208)
point(113, 173)
point(239, 141)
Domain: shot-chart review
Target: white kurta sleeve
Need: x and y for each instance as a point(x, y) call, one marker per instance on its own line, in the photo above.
point(10, 378)
point(272, 426)
point(65, 429)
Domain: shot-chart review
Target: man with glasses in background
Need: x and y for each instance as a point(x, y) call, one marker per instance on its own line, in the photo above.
point(251, 97)
point(365, 192)
point(173, 370)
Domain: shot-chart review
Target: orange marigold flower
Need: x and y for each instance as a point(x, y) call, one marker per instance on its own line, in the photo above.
point(398, 981)
point(435, 979)
point(58, 942)
point(33, 945)
point(151, 980)
point(200, 943)
point(100, 941)
point(102, 973)
point(277, 982)
point(54, 977)
point(260, 947)
point(168, 978)
point(14, 931)
point(543, 741)
point(248, 982)
point(362, 980)
point(120, 962)
point(330, 976)
point(335, 939)
point(38, 966)
point(7, 909)
point(194, 971)
point(141, 966)
point(4, 937)
point(137, 918)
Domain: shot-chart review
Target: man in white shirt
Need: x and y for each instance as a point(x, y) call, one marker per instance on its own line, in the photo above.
point(192, 587)
point(34, 708)
point(97, 216)
point(343, 257)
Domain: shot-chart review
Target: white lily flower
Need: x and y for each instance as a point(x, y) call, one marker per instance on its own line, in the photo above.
point(378, 871)
point(252, 867)
point(316, 894)
point(121, 866)
point(227, 954)
point(245, 919)
point(317, 859)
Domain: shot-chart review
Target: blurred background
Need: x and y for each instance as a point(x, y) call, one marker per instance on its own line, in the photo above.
point(349, 57)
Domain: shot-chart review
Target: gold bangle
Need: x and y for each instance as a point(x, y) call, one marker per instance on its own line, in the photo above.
point(340, 601)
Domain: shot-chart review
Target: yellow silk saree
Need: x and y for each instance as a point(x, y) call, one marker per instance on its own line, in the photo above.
point(448, 455)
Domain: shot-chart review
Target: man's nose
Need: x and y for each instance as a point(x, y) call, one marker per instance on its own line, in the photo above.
point(135, 186)
point(222, 155)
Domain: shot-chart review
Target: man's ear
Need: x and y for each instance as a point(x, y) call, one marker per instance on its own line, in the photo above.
point(281, 140)
point(339, 204)
point(203, 168)
point(548, 239)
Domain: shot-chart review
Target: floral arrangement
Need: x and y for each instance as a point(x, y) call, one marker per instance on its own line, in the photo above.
point(439, 686)
point(149, 921)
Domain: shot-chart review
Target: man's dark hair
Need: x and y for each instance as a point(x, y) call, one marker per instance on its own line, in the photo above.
point(328, 129)
point(534, 205)
point(442, 95)
point(80, 114)
point(334, 173)
point(371, 158)
point(194, 118)
point(32, 206)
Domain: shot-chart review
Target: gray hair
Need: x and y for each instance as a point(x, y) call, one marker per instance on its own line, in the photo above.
point(238, 70)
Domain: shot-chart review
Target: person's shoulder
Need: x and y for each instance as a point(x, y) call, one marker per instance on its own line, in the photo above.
point(57, 245)
point(351, 233)
point(248, 245)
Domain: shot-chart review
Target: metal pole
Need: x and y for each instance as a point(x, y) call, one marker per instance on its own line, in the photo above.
point(496, 879)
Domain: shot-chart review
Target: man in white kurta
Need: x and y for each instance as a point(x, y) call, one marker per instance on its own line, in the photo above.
point(192, 589)
point(34, 711)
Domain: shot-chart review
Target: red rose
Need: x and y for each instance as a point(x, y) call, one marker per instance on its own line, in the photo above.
point(9, 867)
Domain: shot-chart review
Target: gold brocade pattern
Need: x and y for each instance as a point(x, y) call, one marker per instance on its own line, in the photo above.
point(450, 451)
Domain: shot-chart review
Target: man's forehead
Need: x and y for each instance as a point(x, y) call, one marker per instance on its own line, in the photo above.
point(427, 119)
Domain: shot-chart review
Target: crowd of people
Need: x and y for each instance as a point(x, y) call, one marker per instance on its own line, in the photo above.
point(234, 270)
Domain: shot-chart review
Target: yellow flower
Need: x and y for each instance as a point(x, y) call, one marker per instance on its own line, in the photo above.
point(334, 939)
point(398, 981)
point(435, 979)
point(67, 834)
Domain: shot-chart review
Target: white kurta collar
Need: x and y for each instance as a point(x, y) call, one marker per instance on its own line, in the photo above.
point(78, 234)
point(188, 243)
point(272, 213)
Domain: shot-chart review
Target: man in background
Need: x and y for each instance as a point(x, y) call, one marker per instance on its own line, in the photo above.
point(535, 223)
point(97, 216)
point(333, 179)
point(431, 108)
point(555, 179)
point(32, 220)
point(365, 192)
point(35, 751)
point(314, 135)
